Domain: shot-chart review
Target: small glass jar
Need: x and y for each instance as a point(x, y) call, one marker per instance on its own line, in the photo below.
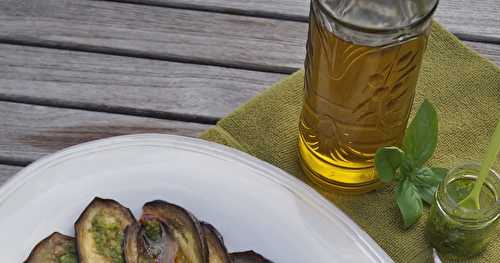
point(458, 232)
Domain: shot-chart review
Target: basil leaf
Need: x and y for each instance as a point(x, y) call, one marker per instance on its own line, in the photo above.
point(427, 193)
point(421, 136)
point(427, 181)
point(407, 166)
point(440, 172)
point(387, 162)
point(409, 202)
point(426, 177)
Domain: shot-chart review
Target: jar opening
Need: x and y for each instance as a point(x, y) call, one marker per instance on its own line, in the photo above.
point(459, 183)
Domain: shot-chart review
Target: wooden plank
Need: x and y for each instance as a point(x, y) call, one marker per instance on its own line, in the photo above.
point(29, 132)
point(134, 86)
point(153, 32)
point(148, 31)
point(164, 33)
point(7, 171)
point(481, 16)
point(471, 20)
point(296, 10)
point(489, 51)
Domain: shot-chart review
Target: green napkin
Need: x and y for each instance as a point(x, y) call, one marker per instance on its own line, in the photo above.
point(464, 87)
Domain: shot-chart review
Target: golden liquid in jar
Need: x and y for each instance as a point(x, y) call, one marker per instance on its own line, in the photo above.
point(357, 99)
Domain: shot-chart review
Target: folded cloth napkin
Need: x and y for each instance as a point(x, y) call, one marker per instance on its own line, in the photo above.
point(464, 87)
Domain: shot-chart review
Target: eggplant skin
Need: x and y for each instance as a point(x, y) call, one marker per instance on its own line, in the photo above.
point(248, 257)
point(109, 210)
point(52, 248)
point(184, 226)
point(217, 252)
point(130, 247)
point(137, 250)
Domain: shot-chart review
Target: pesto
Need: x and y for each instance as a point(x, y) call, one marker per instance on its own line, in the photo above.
point(69, 256)
point(156, 244)
point(450, 234)
point(108, 237)
point(152, 229)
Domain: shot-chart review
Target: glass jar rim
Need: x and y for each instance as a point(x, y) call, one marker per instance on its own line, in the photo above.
point(373, 30)
point(489, 213)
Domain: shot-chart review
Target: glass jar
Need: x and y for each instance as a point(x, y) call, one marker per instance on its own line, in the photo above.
point(457, 232)
point(361, 70)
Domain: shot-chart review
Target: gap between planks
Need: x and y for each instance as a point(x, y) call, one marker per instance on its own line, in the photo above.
point(298, 10)
point(123, 110)
point(29, 132)
point(114, 51)
point(132, 86)
point(124, 85)
point(218, 9)
point(170, 34)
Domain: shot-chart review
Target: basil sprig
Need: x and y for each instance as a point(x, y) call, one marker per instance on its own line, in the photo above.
point(415, 182)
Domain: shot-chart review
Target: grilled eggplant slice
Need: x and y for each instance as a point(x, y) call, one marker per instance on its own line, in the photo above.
point(217, 252)
point(151, 242)
point(184, 227)
point(100, 231)
point(56, 248)
point(248, 257)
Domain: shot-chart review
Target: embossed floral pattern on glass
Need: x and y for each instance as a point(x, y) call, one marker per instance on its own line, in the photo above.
point(357, 99)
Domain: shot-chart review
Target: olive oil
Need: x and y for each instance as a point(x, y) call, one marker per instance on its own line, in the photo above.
point(357, 99)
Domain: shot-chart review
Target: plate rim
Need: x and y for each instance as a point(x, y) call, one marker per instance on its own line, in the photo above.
point(269, 171)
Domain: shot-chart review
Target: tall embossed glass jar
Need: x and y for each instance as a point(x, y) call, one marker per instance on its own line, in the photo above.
point(361, 70)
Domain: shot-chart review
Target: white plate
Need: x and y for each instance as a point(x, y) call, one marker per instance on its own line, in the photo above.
point(253, 204)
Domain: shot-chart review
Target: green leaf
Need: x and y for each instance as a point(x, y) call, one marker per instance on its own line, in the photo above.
point(440, 172)
point(425, 176)
point(427, 181)
point(427, 193)
point(421, 136)
point(409, 202)
point(407, 166)
point(387, 162)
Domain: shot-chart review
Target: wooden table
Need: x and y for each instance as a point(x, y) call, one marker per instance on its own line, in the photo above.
point(78, 70)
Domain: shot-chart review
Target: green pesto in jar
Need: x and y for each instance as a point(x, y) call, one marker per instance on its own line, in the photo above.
point(108, 237)
point(69, 255)
point(459, 232)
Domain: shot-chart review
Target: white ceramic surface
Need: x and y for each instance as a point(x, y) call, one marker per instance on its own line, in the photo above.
point(253, 204)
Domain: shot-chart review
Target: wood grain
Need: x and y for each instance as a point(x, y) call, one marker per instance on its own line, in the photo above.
point(471, 19)
point(295, 10)
point(29, 132)
point(482, 16)
point(489, 51)
point(133, 86)
point(153, 32)
point(7, 172)
point(161, 33)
